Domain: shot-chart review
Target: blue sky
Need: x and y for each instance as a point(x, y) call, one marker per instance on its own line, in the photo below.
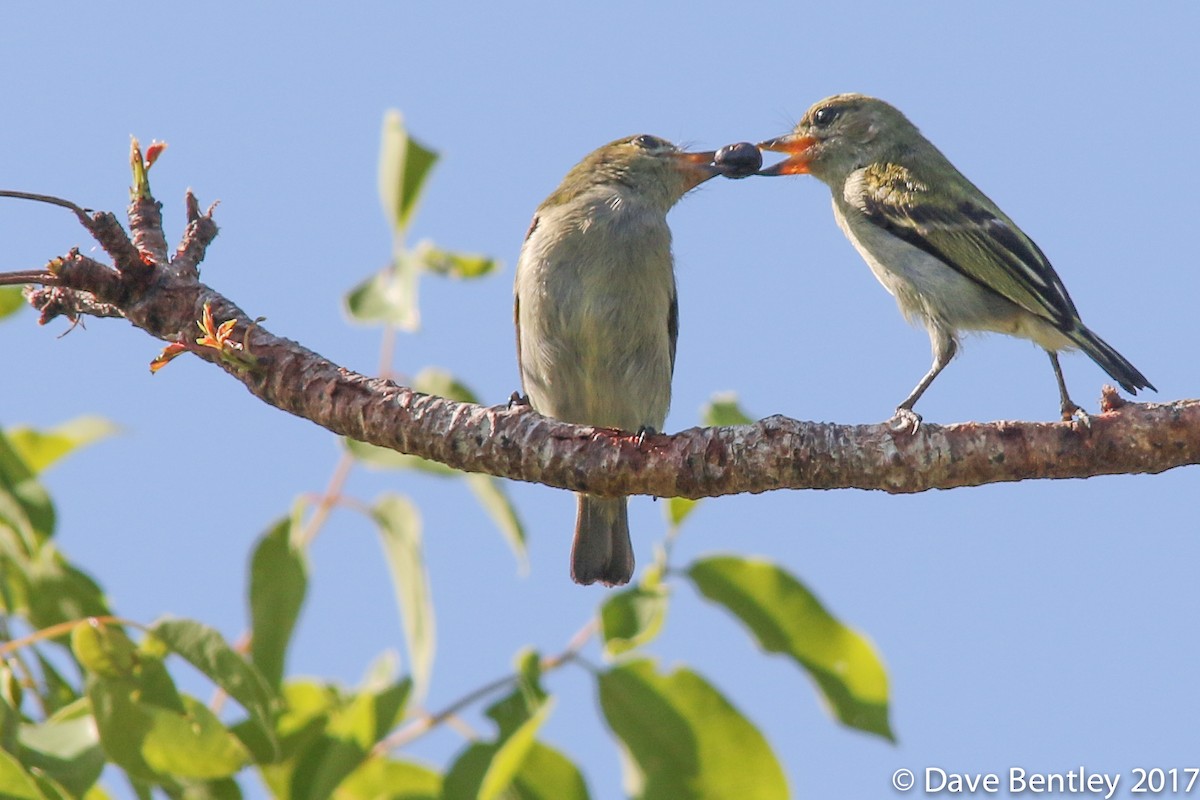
point(1046, 624)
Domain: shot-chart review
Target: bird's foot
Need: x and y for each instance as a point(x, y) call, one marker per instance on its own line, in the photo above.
point(517, 399)
point(1072, 412)
point(642, 433)
point(905, 419)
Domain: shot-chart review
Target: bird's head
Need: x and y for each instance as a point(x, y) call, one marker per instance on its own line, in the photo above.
point(839, 135)
point(642, 166)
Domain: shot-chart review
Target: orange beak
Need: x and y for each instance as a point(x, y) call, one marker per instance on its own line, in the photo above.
point(794, 144)
point(698, 166)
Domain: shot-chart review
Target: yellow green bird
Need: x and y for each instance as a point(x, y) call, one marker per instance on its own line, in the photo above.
point(953, 260)
point(597, 316)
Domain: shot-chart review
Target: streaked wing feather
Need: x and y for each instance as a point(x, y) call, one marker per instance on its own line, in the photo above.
point(673, 327)
point(968, 237)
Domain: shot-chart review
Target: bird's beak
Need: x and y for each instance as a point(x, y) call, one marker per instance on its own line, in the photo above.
point(698, 167)
point(794, 144)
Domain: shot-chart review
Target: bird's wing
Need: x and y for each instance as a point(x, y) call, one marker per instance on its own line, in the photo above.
point(673, 326)
point(969, 235)
point(533, 224)
point(517, 325)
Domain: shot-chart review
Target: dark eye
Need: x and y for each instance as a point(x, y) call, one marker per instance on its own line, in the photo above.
point(825, 115)
point(647, 142)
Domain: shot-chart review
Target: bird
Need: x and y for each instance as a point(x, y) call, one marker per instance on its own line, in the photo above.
point(952, 259)
point(597, 315)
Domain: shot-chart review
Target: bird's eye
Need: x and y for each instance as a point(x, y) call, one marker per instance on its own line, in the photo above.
point(647, 142)
point(825, 115)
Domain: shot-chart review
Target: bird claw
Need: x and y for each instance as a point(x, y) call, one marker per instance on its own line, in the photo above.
point(905, 419)
point(1074, 413)
point(642, 433)
point(517, 399)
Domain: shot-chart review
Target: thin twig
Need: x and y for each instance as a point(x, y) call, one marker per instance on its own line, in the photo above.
point(63, 628)
point(422, 725)
point(44, 277)
point(82, 213)
point(329, 498)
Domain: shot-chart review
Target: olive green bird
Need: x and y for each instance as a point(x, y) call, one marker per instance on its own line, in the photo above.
point(953, 260)
point(597, 316)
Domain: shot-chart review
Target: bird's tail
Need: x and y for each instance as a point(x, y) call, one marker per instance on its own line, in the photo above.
point(602, 550)
point(1112, 362)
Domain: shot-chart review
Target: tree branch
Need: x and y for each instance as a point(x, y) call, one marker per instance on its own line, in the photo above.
point(163, 296)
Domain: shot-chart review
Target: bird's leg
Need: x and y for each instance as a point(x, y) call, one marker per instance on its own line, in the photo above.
point(517, 399)
point(944, 347)
point(1070, 409)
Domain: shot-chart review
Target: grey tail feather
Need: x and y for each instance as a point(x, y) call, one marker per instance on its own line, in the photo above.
point(1112, 362)
point(602, 550)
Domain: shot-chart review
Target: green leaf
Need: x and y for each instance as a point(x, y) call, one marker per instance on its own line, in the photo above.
point(66, 747)
point(542, 774)
point(685, 739)
point(522, 709)
point(435, 380)
point(678, 509)
point(11, 698)
point(404, 164)
point(453, 265)
point(142, 789)
point(399, 525)
point(278, 584)
point(723, 410)
point(516, 765)
point(156, 745)
point(464, 777)
point(389, 296)
point(15, 782)
point(488, 490)
point(351, 733)
point(492, 495)
point(381, 672)
point(384, 458)
point(785, 617)
point(510, 756)
point(264, 747)
point(25, 506)
point(40, 449)
point(50, 788)
point(11, 300)
point(206, 650)
point(518, 706)
point(58, 692)
point(220, 789)
point(59, 592)
point(121, 724)
point(104, 650)
point(632, 617)
point(193, 746)
point(304, 703)
point(154, 684)
point(546, 774)
point(374, 714)
point(307, 706)
point(388, 779)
